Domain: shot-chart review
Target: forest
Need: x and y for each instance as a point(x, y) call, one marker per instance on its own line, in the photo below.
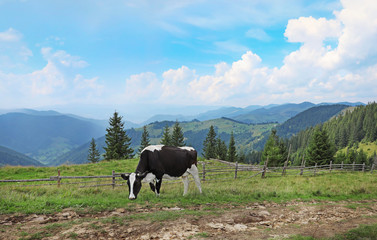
point(343, 138)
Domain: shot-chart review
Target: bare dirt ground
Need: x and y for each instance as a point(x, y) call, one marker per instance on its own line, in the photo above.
point(252, 221)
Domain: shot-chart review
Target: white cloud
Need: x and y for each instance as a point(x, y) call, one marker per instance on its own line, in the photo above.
point(13, 51)
point(142, 87)
point(10, 35)
point(175, 83)
point(259, 34)
point(63, 58)
point(56, 83)
point(344, 70)
point(309, 30)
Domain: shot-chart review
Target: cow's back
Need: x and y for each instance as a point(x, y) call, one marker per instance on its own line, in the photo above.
point(167, 160)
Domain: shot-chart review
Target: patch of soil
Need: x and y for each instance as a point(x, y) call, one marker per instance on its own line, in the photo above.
point(252, 221)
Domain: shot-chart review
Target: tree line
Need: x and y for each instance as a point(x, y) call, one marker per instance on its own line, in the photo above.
point(321, 143)
point(317, 144)
point(118, 142)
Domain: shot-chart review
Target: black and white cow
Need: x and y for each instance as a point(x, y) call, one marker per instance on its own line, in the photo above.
point(157, 162)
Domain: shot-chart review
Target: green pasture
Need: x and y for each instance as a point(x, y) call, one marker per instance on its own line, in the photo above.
point(15, 198)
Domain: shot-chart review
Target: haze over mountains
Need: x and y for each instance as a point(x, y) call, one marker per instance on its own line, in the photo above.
point(54, 138)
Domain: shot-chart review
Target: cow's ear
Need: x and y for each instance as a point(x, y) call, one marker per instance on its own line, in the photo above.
point(141, 175)
point(125, 176)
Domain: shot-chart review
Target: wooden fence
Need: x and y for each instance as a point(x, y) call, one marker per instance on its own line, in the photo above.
point(208, 172)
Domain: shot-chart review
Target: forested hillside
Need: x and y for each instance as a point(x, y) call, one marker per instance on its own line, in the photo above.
point(195, 132)
point(308, 118)
point(346, 130)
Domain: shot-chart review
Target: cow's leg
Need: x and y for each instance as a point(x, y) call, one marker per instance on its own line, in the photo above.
point(153, 188)
point(158, 186)
point(185, 180)
point(195, 173)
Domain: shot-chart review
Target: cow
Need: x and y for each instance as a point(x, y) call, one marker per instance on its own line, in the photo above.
point(159, 161)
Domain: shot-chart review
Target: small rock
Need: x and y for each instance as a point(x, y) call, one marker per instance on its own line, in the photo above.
point(264, 213)
point(215, 225)
point(240, 227)
point(38, 219)
point(121, 210)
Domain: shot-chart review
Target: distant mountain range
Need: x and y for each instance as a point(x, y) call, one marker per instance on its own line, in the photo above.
point(250, 114)
point(54, 138)
point(43, 136)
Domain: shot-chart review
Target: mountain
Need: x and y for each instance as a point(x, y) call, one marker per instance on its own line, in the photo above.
point(308, 118)
point(45, 136)
point(278, 113)
point(195, 132)
point(13, 158)
point(250, 114)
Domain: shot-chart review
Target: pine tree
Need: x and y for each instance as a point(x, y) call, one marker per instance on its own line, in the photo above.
point(209, 144)
point(117, 141)
point(145, 142)
point(93, 153)
point(177, 138)
point(320, 150)
point(221, 149)
point(274, 149)
point(232, 155)
point(166, 139)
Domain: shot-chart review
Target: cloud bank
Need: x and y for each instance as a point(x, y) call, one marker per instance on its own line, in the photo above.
point(335, 62)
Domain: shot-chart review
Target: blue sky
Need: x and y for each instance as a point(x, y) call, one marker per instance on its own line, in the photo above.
point(146, 57)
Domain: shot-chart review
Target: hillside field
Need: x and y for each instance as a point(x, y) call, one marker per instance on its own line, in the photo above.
point(93, 208)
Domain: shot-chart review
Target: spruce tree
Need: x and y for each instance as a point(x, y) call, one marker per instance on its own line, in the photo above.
point(209, 144)
point(232, 155)
point(320, 150)
point(177, 138)
point(221, 149)
point(145, 142)
point(93, 153)
point(117, 141)
point(274, 149)
point(166, 138)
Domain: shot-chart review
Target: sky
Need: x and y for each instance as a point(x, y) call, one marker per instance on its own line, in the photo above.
point(143, 57)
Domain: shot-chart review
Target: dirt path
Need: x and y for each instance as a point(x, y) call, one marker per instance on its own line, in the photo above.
point(253, 221)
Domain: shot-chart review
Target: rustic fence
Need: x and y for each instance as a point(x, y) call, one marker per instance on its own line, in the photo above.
point(208, 171)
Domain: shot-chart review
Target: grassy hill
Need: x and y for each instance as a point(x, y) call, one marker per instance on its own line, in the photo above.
point(11, 157)
point(195, 132)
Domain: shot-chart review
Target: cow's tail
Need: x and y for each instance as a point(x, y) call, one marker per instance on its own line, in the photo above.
point(195, 157)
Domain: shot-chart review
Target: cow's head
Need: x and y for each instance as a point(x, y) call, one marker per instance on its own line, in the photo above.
point(134, 183)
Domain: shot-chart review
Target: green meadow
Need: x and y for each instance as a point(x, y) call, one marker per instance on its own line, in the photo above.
point(16, 198)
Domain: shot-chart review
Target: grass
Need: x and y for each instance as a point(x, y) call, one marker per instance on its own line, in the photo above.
point(50, 199)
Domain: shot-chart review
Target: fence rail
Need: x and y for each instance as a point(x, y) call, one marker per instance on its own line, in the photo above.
point(207, 172)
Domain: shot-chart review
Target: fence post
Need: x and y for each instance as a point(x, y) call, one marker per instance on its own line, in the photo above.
point(113, 179)
point(363, 167)
point(204, 171)
point(265, 168)
point(315, 169)
point(330, 166)
point(371, 170)
point(341, 166)
point(284, 168)
point(302, 165)
point(58, 177)
point(353, 166)
point(235, 171)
